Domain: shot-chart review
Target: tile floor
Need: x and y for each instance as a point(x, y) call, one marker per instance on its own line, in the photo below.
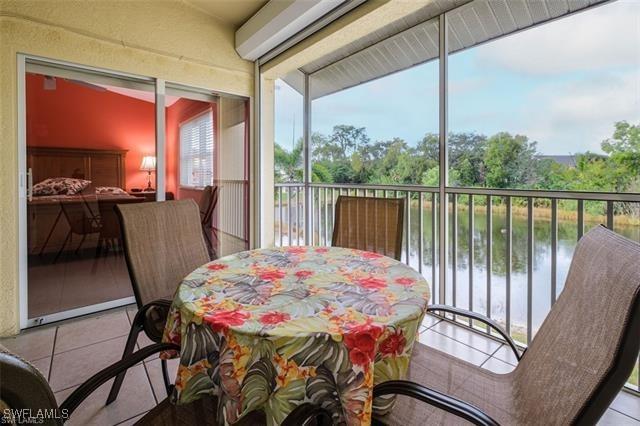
point(69, 352)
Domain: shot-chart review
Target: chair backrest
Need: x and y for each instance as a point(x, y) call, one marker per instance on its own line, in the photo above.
point(369, 223)
point(587, 346)
point(23, 387)
point(163, 243)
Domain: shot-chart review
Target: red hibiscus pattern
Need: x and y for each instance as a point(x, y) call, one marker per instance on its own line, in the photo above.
point(371, 255)
point(304, 274)
point(394, 344)
point(361, 342)
point(272, 318)
point(296, 250)
point(372, 283)
point(224, 319)
point(405, 281)
point(274, 275)
point(217, 266)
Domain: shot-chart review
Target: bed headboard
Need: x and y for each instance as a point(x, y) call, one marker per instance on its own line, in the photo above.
point(101, 167)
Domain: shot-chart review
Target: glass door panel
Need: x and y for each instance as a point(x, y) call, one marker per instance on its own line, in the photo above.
point(90, 145)
point(207, 157)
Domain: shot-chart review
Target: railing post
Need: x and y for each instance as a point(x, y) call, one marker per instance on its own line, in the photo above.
point(306, 141)
point(443, 157)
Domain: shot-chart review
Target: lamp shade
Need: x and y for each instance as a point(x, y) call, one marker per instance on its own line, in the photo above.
point(148, 163)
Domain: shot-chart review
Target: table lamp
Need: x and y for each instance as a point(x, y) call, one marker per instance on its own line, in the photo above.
point(148, 165)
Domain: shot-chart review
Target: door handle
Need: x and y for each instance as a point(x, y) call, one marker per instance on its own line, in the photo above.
point(30, 184)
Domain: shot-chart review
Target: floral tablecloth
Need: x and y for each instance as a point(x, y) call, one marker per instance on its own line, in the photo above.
point(269, 329)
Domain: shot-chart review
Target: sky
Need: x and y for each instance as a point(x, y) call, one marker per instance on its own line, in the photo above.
point(563, 84)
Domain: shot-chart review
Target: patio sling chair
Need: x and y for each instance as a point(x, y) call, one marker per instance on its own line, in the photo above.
point(369, 223)
point(163, 243)
point(575, 366)
point(25, 392)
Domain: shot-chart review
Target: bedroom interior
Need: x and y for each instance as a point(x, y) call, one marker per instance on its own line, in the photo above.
point(91, 144)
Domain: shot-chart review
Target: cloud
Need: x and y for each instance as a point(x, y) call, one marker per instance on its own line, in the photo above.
point(577, 116)
point(602, 37)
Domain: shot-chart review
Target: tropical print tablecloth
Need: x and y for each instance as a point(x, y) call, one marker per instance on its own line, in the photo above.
point(270, 329)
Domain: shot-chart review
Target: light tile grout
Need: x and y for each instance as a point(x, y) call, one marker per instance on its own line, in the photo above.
point(53, 351)
point(153, 391)
point(434, 324)
point(132, 417)
point(490, 356)
point(82, 347)
point(463, 343)
point(90, 344)
point(624, 414)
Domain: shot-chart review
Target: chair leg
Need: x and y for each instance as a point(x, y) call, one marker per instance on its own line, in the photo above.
point(81, 242)
point(165, 376)
point(128, 350)
point(64, 243)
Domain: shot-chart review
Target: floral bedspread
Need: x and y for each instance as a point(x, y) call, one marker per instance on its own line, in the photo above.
point(266, 330)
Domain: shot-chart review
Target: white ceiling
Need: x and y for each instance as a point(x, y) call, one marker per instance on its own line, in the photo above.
point(414, 40)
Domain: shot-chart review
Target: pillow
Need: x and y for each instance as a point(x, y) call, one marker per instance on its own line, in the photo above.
point(111, 190)
point(60, 186)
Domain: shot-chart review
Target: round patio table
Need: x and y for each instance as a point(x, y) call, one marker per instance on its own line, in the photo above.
point(266, 330)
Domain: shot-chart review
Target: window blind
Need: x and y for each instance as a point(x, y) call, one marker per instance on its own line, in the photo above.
point(196, 151)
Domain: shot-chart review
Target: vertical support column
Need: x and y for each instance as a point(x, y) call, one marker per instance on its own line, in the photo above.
point(530, 253)
point(160, 141)
point(261, 152)
point(255, 170)
point(306, 142)
point(443, 157)
point(554, 250)
point(489, 254)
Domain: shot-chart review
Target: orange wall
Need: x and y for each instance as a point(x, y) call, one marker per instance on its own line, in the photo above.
point(75, 116)
point(177, 113)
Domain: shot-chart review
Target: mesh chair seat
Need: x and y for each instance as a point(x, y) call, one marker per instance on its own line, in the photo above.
point(490, 392)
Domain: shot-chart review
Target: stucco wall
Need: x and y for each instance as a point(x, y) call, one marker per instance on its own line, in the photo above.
point(163, 39)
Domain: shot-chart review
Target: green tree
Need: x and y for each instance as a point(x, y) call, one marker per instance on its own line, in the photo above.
point(624, 152)
point(288, 165)
point(510, 161)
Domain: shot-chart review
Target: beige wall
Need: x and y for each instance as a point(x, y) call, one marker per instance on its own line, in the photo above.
point(162, 39)
point(267, 140)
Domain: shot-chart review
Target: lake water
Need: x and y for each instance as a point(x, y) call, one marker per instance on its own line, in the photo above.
point(541, 301)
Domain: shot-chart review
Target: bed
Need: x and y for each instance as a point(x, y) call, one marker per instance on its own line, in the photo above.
point(56, 221)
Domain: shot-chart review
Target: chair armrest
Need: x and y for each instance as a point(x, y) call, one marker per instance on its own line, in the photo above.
point(439, 400)
point(141, 320)
point(483, 319)
point(306, 412)
point(84, 390)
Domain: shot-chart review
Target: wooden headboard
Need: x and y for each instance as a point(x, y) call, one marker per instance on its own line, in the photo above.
point(101, 167)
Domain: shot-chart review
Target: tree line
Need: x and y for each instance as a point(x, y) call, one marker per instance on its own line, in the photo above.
point(503, 160)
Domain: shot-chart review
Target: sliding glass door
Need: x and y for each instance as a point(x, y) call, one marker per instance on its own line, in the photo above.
point(89, 144)
point(207, 161)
